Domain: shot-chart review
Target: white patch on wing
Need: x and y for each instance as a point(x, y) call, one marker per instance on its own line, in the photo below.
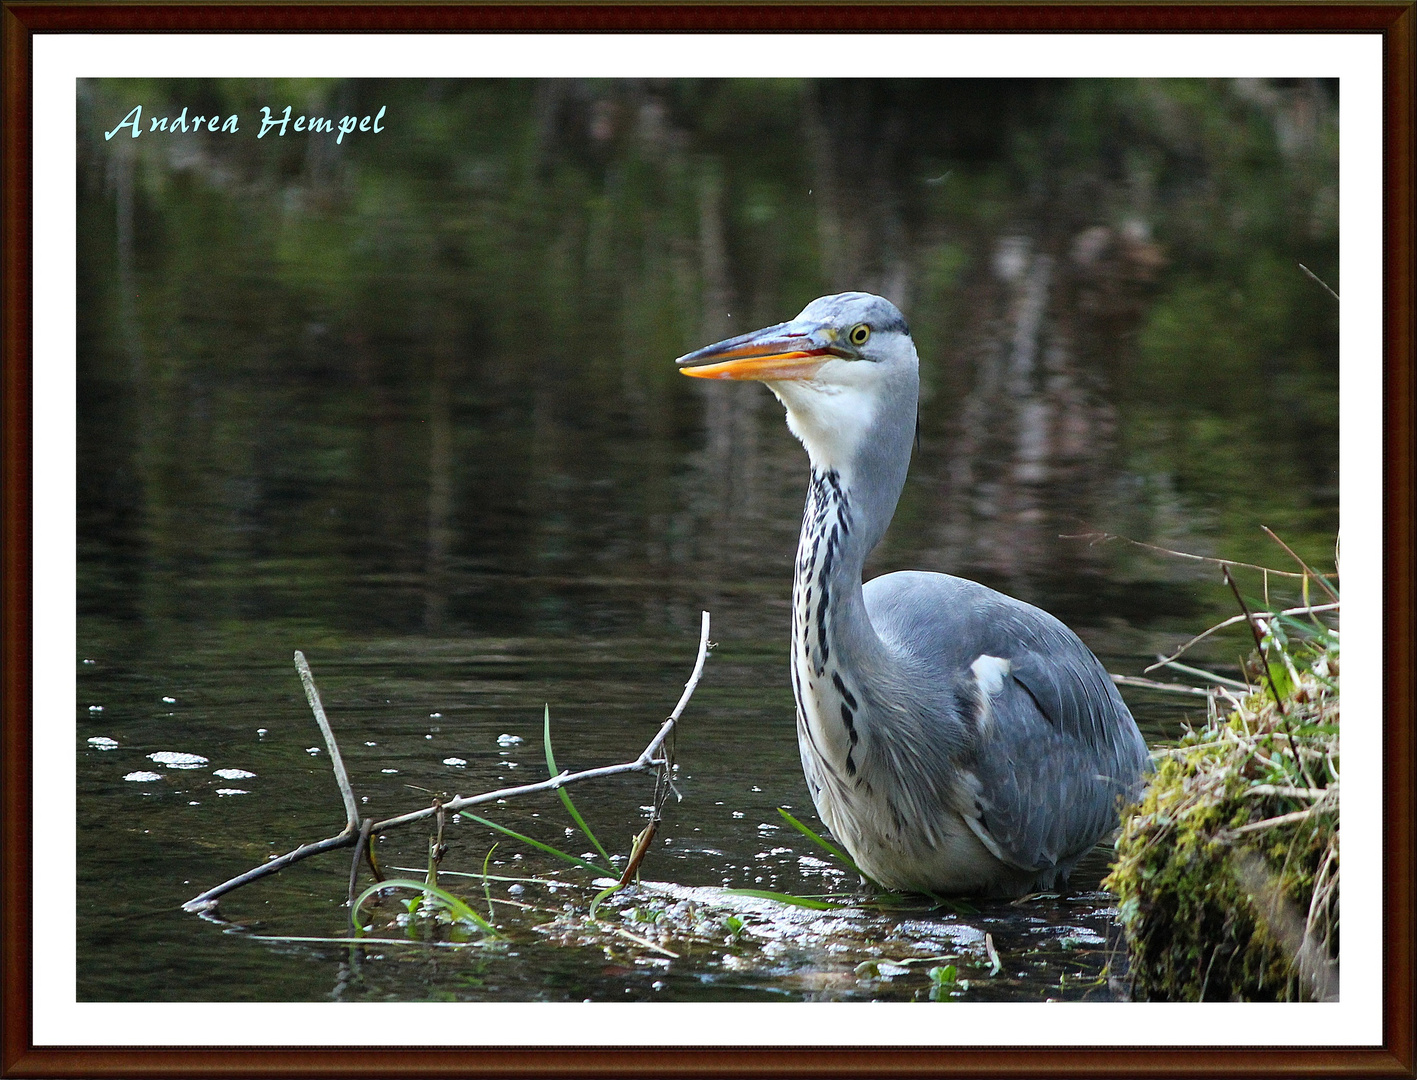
point(989, 673)
point(985, 839)
point(971, 816)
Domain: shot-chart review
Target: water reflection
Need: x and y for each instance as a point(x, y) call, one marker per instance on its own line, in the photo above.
point(409, 405)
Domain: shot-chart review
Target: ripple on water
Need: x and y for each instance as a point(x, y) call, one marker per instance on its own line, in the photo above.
point(174, 760)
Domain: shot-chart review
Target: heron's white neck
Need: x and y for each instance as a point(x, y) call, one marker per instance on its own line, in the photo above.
point(838, 659)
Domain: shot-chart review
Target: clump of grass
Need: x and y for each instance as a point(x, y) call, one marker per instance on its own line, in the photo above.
point(1227, 871)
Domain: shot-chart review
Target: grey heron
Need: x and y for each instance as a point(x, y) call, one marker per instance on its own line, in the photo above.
point(955, 740)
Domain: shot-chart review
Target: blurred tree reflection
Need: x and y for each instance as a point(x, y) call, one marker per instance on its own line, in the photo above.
point(436, 362)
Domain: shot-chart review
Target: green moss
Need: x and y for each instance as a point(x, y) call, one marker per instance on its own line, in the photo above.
point(1216, 906)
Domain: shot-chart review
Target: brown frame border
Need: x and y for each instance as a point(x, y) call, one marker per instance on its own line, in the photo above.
point(21, 19)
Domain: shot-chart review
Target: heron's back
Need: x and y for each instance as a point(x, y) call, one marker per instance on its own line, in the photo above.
point(1032, 734)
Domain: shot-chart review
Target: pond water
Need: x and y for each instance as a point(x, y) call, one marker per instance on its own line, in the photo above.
point(408, 405)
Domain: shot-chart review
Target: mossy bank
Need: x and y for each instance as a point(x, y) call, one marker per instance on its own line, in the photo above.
point(1227, 871)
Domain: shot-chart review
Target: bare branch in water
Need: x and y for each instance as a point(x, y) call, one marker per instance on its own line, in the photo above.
point(312, 695)
point(352, 833)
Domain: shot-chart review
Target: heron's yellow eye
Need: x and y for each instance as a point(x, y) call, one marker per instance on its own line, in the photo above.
point(859, 333)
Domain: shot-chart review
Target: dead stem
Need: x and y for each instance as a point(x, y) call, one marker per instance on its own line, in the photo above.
point(1323, 582)
point(351, 804)
point(353, 831)
point(1306, 609)
point(360, 847)
point(1164, 687)
point(1269, 674)
point(1321, 281)
point(1104, 537)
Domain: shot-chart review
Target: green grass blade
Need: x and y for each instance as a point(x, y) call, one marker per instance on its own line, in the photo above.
point(534, 843)
point(783, 898)
point(486, 884)
point(825, 845)
point(457, 908)
point(566, 795)
point(603, 895)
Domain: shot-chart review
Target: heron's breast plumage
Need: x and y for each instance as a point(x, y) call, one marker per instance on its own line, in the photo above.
point(866, 751)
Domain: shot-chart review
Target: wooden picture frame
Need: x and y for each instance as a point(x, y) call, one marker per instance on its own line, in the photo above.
point(23, 785)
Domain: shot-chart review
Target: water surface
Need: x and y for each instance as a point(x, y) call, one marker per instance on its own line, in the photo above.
point(408, 405)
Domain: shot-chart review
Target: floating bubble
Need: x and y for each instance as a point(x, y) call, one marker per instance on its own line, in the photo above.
point(103, 742)
point(454, 761)
point(143, 777)
point(231, 791)
point(233, 774)
point(174, 760)
point(508, 740)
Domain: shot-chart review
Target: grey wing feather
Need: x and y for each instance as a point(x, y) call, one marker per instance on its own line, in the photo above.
point(1058, 747)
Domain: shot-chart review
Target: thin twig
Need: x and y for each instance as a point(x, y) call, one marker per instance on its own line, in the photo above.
point(1269, 674)
point(1320, 280)
point(1164, 687)
point(361, 845)
point(1284, 792)
point(645, 942)
point(1308, 609)
point(1274, 822)
point(304, 851)
point(1259, 642)
point(1323, 582)
point(1103, 537)
point(1219, 680)
point(351, 804)
point(646, 760)
point(668, 726)
point(367, 941)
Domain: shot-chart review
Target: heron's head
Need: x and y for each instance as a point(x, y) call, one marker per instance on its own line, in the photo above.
point(845, 368)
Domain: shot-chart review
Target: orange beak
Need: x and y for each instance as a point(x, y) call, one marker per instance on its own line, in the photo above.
point(785, 351)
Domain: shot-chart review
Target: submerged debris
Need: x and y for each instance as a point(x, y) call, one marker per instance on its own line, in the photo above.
point(1227, 872)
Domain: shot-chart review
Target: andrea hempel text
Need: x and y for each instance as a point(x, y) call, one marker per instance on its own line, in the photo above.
point(274, 124)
